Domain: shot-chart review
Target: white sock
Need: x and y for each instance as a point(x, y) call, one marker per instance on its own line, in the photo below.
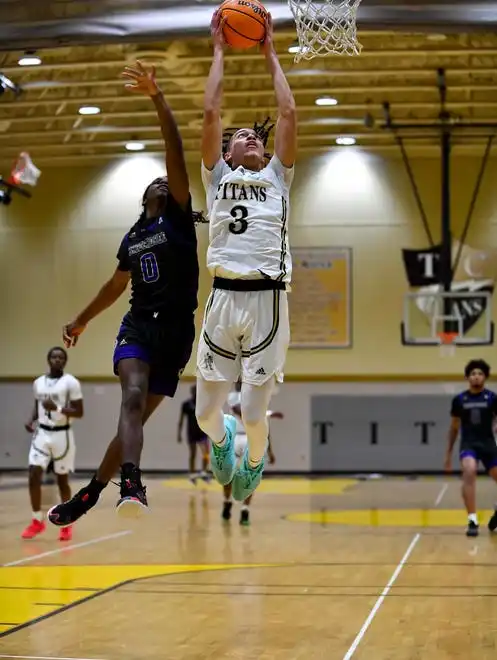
point(473, 518)
point(37, 515)
point(227, 498)
point(245, 507)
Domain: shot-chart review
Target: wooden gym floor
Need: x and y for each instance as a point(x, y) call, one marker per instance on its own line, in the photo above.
point(329, 569)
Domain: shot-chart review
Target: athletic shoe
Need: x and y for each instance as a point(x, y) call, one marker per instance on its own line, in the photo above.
point(193, 479)
point(245, 517)
point(492, 523)
point(67, 513)
point(246, 478)
point(226, 514)
point(205, 476)
point(472, 529)
point(33, 529)
point(65, 534)
point(223, 459)
point(133, 500)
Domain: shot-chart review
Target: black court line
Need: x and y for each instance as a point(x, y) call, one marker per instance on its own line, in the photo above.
point(103, 592)
point(220, 585)
point(300, 594)
point(52, 604)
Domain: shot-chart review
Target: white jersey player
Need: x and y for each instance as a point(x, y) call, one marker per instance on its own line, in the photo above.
point(58, 399)
point(246, 330)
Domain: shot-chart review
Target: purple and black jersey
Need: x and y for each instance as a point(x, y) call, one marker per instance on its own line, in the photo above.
point(477, 413)
point(161, 256)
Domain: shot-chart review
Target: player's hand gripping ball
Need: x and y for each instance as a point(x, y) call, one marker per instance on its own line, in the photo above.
point(243, 22)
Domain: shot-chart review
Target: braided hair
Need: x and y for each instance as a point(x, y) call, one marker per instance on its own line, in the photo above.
point(261, 130)
point(198, 216)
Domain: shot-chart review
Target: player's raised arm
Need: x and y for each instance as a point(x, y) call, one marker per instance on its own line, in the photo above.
point(212, 132)
point(285, 137)
point(143, 81)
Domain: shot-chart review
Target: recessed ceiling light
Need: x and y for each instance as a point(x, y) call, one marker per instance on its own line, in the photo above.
point(134, 146)
point(326, 100)
point(434, 36)
point(346, 140)
point(89, 110)
point(29, 60)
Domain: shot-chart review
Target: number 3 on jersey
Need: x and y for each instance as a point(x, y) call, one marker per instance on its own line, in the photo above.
point(150, 267)
point(239, 226)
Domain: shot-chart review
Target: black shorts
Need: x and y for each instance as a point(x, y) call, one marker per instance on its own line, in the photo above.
point(164, 345)
point(485, 452)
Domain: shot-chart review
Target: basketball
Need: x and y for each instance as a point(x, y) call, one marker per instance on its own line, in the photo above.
point(245, 23)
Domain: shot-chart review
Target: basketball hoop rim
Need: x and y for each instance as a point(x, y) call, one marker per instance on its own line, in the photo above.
point(447, 338)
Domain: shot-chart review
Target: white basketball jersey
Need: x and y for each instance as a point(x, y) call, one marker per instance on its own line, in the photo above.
point(248, 221)
point(62, 391)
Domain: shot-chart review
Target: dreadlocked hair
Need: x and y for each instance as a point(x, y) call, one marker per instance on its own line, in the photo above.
point(262, 131)
point(198, 216)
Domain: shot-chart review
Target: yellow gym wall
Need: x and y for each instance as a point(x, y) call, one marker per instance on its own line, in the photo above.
point(57, 249)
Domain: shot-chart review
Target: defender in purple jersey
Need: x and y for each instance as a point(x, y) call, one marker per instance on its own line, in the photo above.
point(154, 342)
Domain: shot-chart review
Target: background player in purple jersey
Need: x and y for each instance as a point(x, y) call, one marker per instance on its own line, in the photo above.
point(154, 342)
point(473, 413)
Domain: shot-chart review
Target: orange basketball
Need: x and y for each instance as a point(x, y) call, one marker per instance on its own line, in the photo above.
point(245, 22)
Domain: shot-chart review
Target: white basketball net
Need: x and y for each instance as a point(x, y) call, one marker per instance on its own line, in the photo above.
point(325, 28)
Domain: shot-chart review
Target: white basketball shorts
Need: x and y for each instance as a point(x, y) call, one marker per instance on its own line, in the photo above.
point(245, 333)
point(56, 446)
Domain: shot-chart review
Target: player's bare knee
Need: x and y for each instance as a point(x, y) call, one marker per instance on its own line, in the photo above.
point(62, 480)
point(134, 399)
point(35, 475)
point(469, 475)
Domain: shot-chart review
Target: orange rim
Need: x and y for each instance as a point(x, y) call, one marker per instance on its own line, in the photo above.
point(447, 338)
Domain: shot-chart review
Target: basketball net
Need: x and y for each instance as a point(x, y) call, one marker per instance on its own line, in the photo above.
point(24, 171)
point(447, 343)
point(325, 28)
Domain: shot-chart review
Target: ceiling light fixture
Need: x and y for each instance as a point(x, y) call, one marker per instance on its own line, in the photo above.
point(89, 110)
point(346, 140)
point(29, 59)
point(134, 146)
point(326, 100)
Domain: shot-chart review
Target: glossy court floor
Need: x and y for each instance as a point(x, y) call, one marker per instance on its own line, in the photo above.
point(329, 569)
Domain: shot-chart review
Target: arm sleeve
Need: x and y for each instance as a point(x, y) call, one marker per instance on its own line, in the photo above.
point(285, 174)
point(75, 393)
point(123, 256)
point(455, 408)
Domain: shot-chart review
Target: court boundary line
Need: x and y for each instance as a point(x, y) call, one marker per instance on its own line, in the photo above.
point(441, 494)
point(66, 548)
point(381, 598)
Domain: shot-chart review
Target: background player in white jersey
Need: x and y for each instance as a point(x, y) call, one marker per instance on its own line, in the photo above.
point(234, 402)
point(246, 328)
point(58, 400)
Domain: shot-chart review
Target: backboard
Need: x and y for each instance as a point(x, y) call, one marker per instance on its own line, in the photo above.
point(427, 314)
